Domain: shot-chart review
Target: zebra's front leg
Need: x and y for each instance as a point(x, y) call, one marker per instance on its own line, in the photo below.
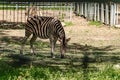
point(31, 43)
point(62, 49)
point(53, 43)
point(52, 49)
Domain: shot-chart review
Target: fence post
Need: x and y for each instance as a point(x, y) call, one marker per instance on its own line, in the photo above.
point(78, 10)
point(75, 7)
point(111, 14)
point(86, 9)
point(16, 6)
point(90, 11)
point(116, 13)
point(94, 11)
point(81, 8)
point(98, 14)
point(102, 12)
point(106, 14)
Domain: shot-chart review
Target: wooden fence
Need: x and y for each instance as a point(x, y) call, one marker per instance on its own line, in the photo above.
point(106, 13)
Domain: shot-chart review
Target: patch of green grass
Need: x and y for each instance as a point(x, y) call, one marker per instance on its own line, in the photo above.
point(41, 44)
point(108, 73)
point(69, 23)
point(8, 72)
point(11, 8)
point(9, 40)
point(96, 23)
point(5, 39)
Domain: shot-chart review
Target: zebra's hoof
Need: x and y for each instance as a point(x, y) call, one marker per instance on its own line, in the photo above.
point(62, 56)
point(21, 52)
point(34, 53)
point(53, 57)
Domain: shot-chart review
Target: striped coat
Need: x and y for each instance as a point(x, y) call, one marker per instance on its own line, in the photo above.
point(43, 27)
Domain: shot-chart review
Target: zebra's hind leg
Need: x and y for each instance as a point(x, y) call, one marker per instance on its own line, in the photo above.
point(34, 37)
point(23, 44)
point(27, 35)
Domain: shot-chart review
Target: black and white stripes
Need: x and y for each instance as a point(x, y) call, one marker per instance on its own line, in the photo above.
point(45, 28)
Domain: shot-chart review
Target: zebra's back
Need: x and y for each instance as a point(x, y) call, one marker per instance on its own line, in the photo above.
point(43, 27)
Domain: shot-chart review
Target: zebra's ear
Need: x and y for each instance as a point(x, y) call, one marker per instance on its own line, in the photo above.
point(68, 39)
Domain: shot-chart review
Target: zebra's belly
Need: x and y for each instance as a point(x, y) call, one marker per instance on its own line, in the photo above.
point(43, 36)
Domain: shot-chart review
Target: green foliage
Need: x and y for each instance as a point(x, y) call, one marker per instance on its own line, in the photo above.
point(9, 40)
point(8, 71)
point(96, 23)
point(41, 44)
point(5, 39)
point(69, 23)
point(11, 8)
point(108, 73)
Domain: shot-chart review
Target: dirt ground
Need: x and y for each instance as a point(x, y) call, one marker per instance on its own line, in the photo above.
point(84, 34)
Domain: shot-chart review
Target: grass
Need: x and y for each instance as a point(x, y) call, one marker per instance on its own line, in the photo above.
point(8, 72)
point(68, 23)
point(11, 8)
point(24, 8)
point(34, 73)
point(75, 66)
point(96, 23)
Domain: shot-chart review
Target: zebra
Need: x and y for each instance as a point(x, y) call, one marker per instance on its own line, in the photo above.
point(45, 28)
point(32, 11)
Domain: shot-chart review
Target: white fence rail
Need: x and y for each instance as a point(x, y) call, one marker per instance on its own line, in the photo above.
point(106, 13)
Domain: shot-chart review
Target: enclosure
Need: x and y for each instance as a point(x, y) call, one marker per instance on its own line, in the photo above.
point(93, 52)
point(13, 13)
point(105, 12)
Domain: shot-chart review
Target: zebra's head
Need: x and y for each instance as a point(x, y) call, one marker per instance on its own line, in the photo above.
point(64, 46)
point(31, 11)
point(66, 42)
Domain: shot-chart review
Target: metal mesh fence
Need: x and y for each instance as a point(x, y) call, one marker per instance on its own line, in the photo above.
point(15, 11)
